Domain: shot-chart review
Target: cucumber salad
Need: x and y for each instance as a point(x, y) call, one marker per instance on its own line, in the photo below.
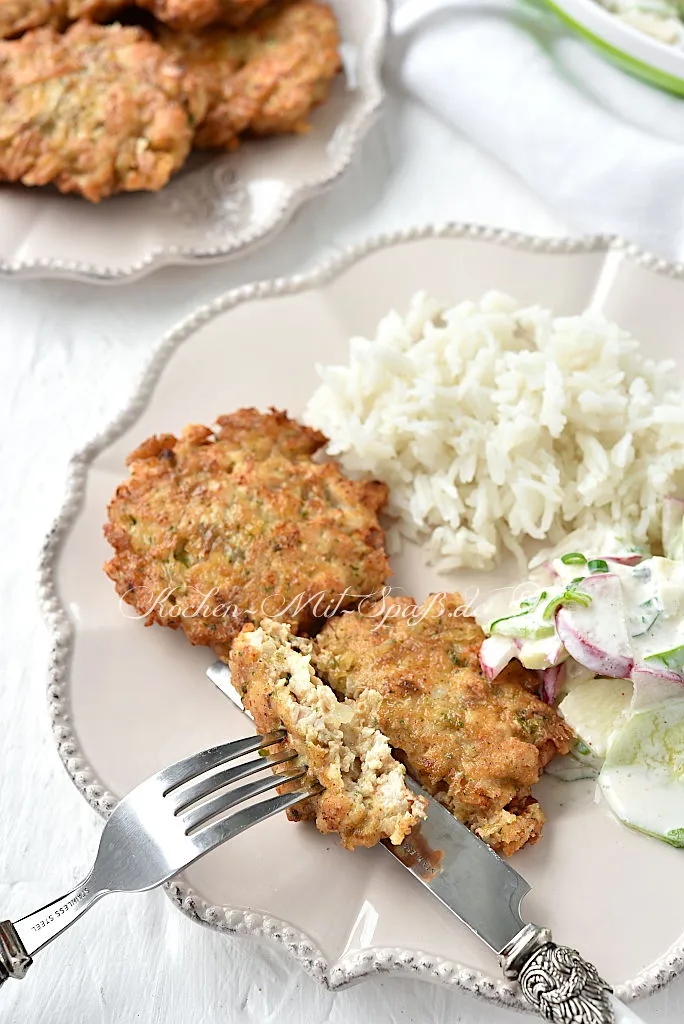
point(605, 632)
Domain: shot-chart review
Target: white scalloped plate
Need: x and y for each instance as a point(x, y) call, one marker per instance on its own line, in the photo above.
point(217, 206)
point(126, 700)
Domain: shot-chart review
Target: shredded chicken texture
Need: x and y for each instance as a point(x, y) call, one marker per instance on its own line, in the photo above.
point(365, 796)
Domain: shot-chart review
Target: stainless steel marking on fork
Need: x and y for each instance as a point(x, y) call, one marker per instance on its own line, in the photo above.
point(160, 828)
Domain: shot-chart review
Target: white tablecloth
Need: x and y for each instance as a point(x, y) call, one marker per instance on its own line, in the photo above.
point(68, 357)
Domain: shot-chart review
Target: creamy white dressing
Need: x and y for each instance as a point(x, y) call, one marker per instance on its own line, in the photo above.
point(607, 636)
point(653, 605)
point(643, 799)
point(643, 775)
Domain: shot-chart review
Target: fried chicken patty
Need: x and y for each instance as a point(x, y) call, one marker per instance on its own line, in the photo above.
point(222, 527)
point(365, 797)
point(265, 79)
point(18, 16)
point(96, 111)
point(193, 14)
point(477, 746)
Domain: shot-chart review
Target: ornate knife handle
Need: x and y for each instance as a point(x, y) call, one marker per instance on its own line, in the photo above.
point(14, 960)
point(560, 984)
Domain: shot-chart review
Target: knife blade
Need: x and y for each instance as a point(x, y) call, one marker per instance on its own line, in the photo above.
point(447, 858)
point(485, 893)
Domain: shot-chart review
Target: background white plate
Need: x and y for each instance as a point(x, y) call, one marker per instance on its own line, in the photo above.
point(126, 700)
point(217, 205)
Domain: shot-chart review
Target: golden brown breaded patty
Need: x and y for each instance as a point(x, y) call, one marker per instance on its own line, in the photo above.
point(189, 15)
point(365, 797)
point(96, 111)
point(478, 746)
point(18, 16)
point(236, 523)
point(264, 79)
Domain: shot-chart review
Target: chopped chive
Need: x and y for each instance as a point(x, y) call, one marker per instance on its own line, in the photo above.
point(573, 558)
point(530, 603)
point(569, 596)
point(598, 565)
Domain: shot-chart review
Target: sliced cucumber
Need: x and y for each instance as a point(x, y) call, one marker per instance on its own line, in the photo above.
point(540, 654)
point(643, 775)
point(522, 627)
point(524, 624)
point(593, 710)
point(673, 659)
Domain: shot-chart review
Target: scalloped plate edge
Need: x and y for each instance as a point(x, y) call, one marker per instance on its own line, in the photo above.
point(237, 921)
point(249, 239)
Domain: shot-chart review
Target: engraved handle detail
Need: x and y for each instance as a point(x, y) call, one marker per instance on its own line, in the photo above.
point(560, 984)
point(564, 987)
point(14, 960)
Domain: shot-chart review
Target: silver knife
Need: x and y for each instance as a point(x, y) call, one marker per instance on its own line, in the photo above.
point(485, 893)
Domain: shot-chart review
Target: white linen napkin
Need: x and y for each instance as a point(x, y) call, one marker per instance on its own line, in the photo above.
point(603, 149)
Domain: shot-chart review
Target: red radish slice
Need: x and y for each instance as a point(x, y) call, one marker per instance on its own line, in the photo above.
point(625, 559)
point(495, 654)
point(654, 685)
point(596, 635)
point(551, 682)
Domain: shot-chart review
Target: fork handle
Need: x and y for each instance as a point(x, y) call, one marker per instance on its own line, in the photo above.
point(14, 960)
point(20, 940)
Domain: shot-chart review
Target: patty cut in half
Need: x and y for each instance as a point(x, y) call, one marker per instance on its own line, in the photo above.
point(477, 746)
point(365, 798)
point(222, 527)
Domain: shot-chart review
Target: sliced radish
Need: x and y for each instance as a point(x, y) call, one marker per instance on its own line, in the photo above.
point(596, 635)
point(654, 685)
point(495, 654)
point(625, 559)
point(552, 683)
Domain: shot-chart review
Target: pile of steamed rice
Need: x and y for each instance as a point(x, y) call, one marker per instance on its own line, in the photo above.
point(495, 423)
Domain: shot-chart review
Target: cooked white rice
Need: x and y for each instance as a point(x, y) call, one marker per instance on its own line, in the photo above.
point(493, 423)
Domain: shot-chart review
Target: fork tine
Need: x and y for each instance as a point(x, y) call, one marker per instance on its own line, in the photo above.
point(190, 767)
point(180, 799)
point(224, 801)
point(221, 831)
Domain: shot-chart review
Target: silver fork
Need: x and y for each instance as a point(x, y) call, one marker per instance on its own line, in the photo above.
point(161, 827)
